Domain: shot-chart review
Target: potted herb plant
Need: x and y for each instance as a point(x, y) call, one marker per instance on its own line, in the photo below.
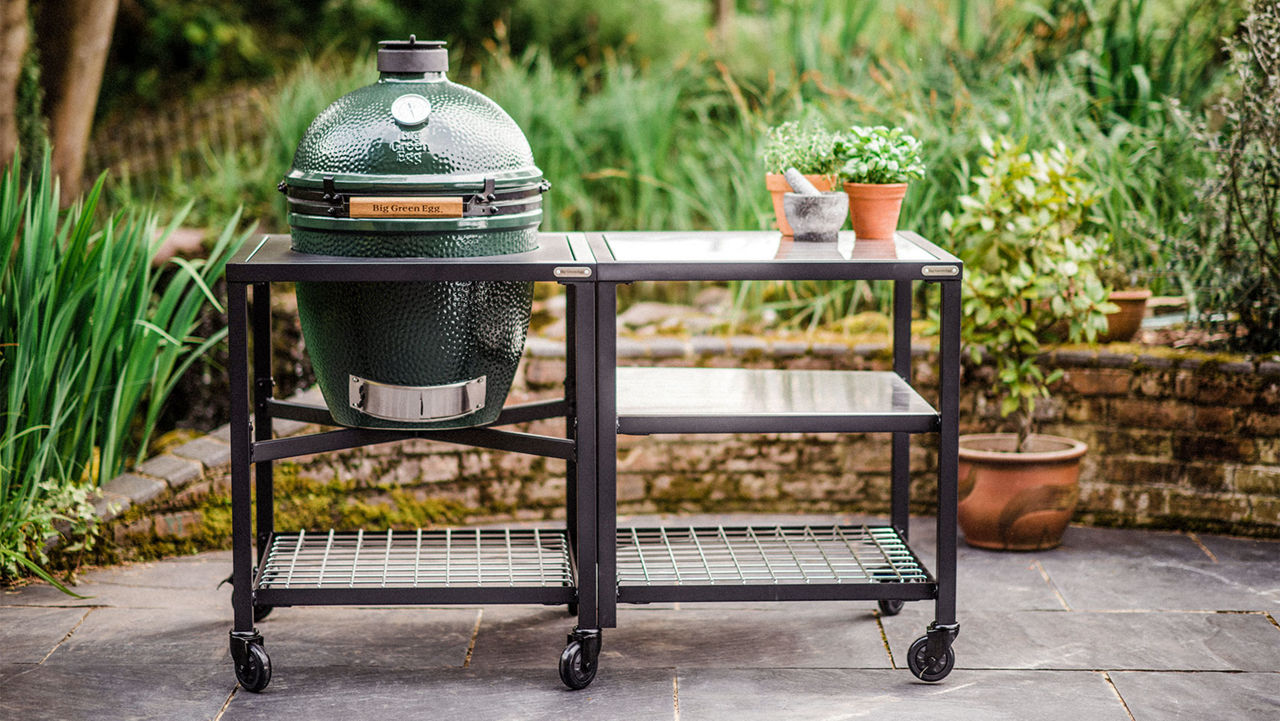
point(876, 163)
point(805, 146)
point(1032, 252)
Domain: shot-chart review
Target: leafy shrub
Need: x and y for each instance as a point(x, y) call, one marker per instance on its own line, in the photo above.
point(806, 146)
point(1031, 250)
point(1239, 280)
point(92, 340)
point(879, 155)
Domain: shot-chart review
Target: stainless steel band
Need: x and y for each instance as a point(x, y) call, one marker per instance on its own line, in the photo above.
point(392, 402)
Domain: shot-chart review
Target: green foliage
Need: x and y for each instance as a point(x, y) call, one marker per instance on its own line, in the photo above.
point(1238, 278)
point(808, 147)
point(1031, 250)
point(1130, 55)
point(878, 155)
point(92, 340)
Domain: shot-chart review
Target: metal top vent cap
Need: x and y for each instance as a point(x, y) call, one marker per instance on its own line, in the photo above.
point(412, 56)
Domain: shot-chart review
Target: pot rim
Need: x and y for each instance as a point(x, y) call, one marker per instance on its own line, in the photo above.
point(1130, 294)
point(1069, 449)
point(874, 185)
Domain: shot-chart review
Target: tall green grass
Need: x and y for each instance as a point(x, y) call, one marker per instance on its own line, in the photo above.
point(92, 341)
point(668, 140)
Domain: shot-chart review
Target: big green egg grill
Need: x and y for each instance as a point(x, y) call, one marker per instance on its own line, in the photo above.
point(414, 166)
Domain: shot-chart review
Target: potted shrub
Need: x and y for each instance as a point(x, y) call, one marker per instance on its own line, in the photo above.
point(1032, 252)
point(1130, 300)
point(875, 165)
point(807, 147)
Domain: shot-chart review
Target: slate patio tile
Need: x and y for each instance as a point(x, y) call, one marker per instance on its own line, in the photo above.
point(130, 689)
point(28, 634)
point(199, 572)
point(535, 694)
point(412, 637)
point(1218, 696)
point(781, 635)
point(1064, 640)
point(1248, 550)
point(162, 636)
point(1162, 583)
point(821, 694)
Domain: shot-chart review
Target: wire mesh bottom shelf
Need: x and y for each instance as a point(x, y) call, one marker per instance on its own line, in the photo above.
point(418, 559)
point(749, 555)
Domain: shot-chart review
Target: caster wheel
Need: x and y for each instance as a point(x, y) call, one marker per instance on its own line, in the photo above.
point(890, 608)
point(573, 609)
point(261, 612)
point(576, 671)
point(926, 668)
point(255, 673)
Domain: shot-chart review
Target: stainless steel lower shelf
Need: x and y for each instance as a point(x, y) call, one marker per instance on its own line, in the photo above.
point(768, 563)
point(417, 566)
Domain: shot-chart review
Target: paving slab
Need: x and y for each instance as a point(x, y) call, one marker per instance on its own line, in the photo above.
point(423, 638)
point(1248, 550)
point(362, 694)
point(779, 635)
point(1217, 696)
point(131, 689)
point(161, 636)
point(1161, 583)
point(1064, 640)
point(28, 634)
point(822, 694)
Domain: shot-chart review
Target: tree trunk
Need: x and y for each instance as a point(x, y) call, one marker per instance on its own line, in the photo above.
point(722, 17)
point(13, 47)
point(73, 37)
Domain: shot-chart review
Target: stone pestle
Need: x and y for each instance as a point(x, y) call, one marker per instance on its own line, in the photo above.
point(799, 183)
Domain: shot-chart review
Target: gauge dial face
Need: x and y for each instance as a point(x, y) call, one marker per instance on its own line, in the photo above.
point(411, 109)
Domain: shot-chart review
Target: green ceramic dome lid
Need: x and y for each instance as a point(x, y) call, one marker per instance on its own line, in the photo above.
point(413, 133)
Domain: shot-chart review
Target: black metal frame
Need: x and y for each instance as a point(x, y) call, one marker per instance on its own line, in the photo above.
point(585, 264)
point(561, 258)
point(798, 262)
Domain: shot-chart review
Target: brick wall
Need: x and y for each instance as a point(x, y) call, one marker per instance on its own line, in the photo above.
point(1176, 441)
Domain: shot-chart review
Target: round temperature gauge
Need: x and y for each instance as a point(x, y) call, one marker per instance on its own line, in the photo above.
point(411, 109)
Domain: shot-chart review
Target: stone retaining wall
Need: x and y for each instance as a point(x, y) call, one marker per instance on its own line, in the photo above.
point(1176, 441)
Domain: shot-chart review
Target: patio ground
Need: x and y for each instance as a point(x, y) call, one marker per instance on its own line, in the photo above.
point(1112, 625)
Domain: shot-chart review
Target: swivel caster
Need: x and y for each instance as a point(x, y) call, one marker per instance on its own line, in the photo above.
point(890, 607)
point(253, 666)
point(261, 612)
point(931, 656)
point(573, 608)
point(579, 660)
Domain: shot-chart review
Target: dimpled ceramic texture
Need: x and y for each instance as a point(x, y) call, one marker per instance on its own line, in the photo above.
point(415, 334)
point(465, 134)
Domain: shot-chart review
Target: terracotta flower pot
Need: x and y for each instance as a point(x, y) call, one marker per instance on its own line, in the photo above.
point(1012, 501)
point(1124, 323)
point(874, 208)
point(778, 186)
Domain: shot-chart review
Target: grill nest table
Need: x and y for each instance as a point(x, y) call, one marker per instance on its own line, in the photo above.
point(781, 563)
point(591, 564)
point(324, 567)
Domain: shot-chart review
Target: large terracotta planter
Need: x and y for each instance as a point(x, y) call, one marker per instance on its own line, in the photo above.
point(1012, 501)
point(874, 208)
point(778, 186)
point(1124, 323)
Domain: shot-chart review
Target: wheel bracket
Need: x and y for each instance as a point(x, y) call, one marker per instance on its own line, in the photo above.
point(941, 637)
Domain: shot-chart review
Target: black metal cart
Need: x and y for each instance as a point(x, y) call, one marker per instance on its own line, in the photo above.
point(298, 568)
point(782, 563)
point(590, 564)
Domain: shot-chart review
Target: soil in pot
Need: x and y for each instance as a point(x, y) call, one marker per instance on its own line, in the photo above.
point(1017, 501)
point(777, 185)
